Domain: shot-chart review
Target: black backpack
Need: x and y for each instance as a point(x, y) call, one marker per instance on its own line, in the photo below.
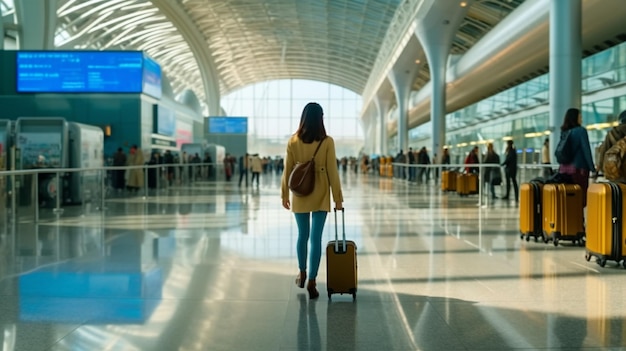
point(564, 151)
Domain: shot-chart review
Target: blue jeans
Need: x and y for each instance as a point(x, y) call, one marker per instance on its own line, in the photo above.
point(315, 230)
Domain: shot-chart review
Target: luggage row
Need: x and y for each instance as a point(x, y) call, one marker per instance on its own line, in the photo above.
point(554, 212)
point(463, 183)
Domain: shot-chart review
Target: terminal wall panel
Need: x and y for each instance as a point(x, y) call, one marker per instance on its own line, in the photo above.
point(120, 112)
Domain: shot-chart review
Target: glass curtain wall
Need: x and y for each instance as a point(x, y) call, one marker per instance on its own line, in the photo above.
point(274, 108)
point(522, 113)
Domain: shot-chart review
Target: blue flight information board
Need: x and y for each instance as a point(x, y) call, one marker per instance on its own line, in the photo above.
point(151, 77)
point(228, 125)
point(86, 72)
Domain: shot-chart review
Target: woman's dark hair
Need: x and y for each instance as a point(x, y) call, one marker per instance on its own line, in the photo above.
point(571, 119)
point(311, 126)
point(509, 145)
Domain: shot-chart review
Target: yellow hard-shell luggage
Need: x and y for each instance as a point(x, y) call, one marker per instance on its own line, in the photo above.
point(530, 220)
point(341, 263)
point(605, 230)
point(466, 184)
point(562, 207)
point(448, 180)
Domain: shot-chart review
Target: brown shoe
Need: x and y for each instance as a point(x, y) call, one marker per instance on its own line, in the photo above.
point(300, 279)
point(311, 287)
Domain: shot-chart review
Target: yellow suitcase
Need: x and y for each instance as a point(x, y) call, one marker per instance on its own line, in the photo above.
point(472, 179)
point(448, 180)
point(466, 184)
point(341, 263)
point(530, 220)
point(605, 231)
point(562, 207)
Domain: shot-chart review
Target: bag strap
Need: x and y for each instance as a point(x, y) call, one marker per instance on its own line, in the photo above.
point(318, 147)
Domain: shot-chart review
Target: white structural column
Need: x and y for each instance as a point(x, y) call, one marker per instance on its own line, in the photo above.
point(37, 22)
point(382, 107)
point(565, 63)
point(436, 32)
point(402, 86)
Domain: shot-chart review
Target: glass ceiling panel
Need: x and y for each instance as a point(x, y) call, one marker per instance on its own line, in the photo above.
point(7, 7)
point(333, 41)
point(129, 25)
point(254, 41)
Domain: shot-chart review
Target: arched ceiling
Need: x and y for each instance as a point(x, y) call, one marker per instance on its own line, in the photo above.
point(129, 25)
point(253, 41)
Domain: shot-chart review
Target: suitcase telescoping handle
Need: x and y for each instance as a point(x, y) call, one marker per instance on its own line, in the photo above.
point(343, 230)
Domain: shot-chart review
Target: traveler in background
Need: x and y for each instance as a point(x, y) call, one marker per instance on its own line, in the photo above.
point(510, 170)
point(300, 147)
point(196, 170)
point(243, 168)
point(545, 158)
point(119, 160)
point(423, 159)
point(578, 140)
point(613, 136)
point(472, 158)
point(168, 159)
point(228, 167)
point(492, 174)
point(208, 164)
point(183, 160)
point(412, 170)
point(135, 175)
point(256, 166)
point(153, 173)
point(445, 159)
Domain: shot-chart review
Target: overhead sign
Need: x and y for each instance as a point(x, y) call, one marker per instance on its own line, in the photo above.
point(227, 125)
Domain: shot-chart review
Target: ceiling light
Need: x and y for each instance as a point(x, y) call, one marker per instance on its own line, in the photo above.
point(463, 4)
point(418, 61)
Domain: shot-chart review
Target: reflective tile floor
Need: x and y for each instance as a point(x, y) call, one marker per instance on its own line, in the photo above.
point(212, 266)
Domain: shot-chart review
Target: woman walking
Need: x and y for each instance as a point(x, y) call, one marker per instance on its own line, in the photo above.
point(310, 211)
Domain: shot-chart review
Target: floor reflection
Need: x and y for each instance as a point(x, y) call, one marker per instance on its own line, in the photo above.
point(211, 267)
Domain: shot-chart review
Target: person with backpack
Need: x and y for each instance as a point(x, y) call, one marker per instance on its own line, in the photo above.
point(614, 135)
point(574, 152)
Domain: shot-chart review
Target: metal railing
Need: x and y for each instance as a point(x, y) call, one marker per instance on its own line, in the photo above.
point(525, 173)
point(26, 193)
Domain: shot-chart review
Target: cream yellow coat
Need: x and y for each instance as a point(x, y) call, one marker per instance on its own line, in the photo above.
point(326, 175)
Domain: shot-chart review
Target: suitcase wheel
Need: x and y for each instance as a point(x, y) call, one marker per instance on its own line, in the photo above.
point(624, 263)
point(588, 257)
point(601, 262)
point(556, 242)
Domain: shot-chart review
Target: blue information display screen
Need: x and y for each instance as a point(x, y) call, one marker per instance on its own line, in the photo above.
point(166, 121)
point(87, 72)
point(228, 125)
point(151, 77)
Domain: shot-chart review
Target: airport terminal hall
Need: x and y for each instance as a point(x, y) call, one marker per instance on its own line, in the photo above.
point(341, 175)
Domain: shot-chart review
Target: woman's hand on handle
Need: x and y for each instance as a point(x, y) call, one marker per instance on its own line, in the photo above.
point(338, 206)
